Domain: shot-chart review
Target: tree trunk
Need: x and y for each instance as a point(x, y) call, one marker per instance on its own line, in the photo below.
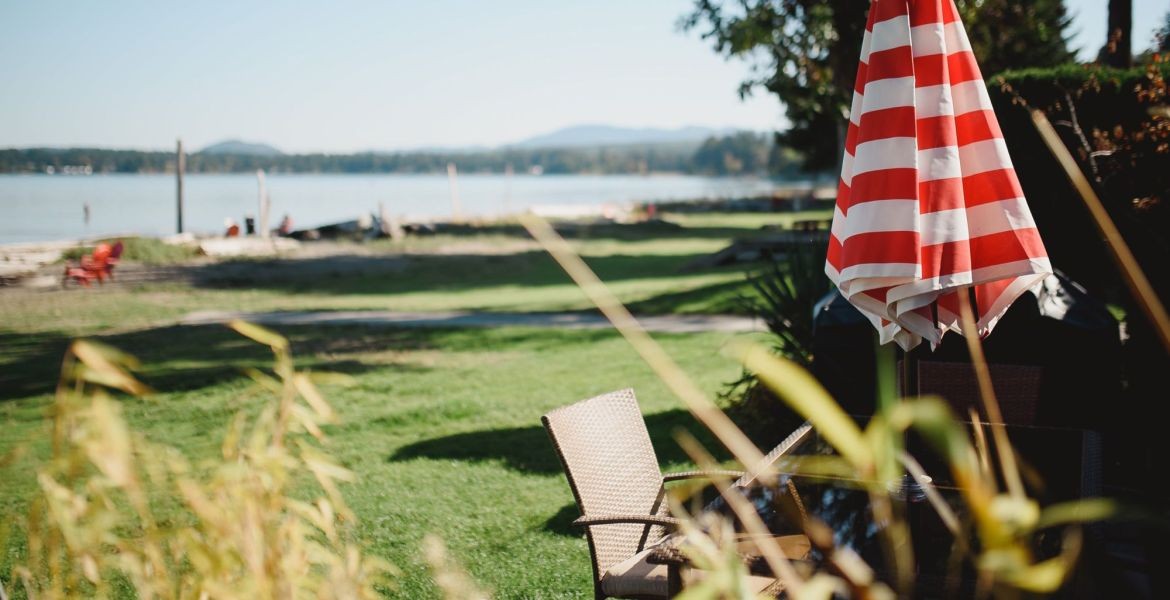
point(1118, 50)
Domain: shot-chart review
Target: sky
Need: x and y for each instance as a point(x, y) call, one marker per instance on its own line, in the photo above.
point(350, 75)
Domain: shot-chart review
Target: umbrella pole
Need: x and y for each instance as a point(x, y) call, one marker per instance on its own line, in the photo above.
point(886, 373)
point(909, 386)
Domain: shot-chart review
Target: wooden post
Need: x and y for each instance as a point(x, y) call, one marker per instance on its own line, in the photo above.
point(507, 189)
point(180, 166)
point(263, 204)
point(453, 181)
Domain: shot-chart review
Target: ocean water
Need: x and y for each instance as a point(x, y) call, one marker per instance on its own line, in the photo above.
point(43, 207)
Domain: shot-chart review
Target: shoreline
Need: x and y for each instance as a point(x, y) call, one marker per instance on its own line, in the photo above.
point(805, 194)
point(28, 260)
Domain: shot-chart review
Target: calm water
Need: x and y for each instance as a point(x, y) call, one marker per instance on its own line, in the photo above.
point(41, 207)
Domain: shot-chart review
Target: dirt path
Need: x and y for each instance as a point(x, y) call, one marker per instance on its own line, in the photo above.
point(573, 320)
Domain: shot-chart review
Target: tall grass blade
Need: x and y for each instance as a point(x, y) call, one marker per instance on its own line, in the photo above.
point(1079, 511)
point(259, 334)
point(1003, 447)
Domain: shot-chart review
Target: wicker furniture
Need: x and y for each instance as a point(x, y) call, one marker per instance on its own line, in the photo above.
point(612, 469)
point(1017, 388)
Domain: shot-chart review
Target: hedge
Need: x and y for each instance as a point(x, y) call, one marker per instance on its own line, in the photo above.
point(1133, 180)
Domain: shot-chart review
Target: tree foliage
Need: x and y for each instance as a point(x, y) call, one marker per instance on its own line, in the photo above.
point(1162, 37)
point(806, 53)
point(1008, 34)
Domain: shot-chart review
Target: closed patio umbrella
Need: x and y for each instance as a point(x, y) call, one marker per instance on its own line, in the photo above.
point(928, 204)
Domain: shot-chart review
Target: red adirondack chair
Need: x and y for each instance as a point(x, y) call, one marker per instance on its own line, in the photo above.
point(96, 266)
point(113, 258)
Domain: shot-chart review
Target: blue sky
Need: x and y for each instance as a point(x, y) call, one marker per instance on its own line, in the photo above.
point(350, 75)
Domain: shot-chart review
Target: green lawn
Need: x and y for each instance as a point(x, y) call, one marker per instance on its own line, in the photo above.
point(441, 426)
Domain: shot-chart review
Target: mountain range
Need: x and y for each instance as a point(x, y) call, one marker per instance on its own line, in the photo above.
point(577, 136)
point(241, 148)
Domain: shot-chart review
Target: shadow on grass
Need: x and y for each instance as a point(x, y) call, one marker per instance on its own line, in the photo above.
point(646, 230)
point(529, 449)
point(180, 357)
point(392, 274)
point(562, 522)
point(724, 298)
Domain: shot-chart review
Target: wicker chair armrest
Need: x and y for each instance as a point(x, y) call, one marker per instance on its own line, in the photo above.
point(590, 520)
point(700, 474)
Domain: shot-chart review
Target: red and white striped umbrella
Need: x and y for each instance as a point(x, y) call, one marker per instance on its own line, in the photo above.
point(929, 203)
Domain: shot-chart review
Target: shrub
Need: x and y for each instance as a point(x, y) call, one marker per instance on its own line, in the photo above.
point(1110, 120)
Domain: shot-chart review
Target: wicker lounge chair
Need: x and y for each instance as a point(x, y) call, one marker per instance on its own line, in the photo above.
point(612, 469)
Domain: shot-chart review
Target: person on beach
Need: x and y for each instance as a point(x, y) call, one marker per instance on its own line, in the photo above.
point(286, 225)
point(230, 228)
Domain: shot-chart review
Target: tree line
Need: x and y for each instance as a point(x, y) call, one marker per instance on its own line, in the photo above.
point(735, 154)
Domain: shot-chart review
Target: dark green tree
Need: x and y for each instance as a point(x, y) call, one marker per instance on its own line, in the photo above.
point(744, 152)
point(1009, 34)
point(1162, 38)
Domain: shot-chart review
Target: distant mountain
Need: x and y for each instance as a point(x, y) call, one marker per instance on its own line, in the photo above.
point(239, 147)
point(608, 135)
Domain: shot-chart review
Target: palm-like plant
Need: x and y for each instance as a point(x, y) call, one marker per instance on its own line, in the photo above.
point(787, 288)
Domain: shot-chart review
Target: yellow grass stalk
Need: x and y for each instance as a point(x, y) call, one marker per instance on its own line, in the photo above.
point(1003, 447)
point(93, 520)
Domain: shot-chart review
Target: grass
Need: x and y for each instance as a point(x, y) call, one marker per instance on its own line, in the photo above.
point(441, 426)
